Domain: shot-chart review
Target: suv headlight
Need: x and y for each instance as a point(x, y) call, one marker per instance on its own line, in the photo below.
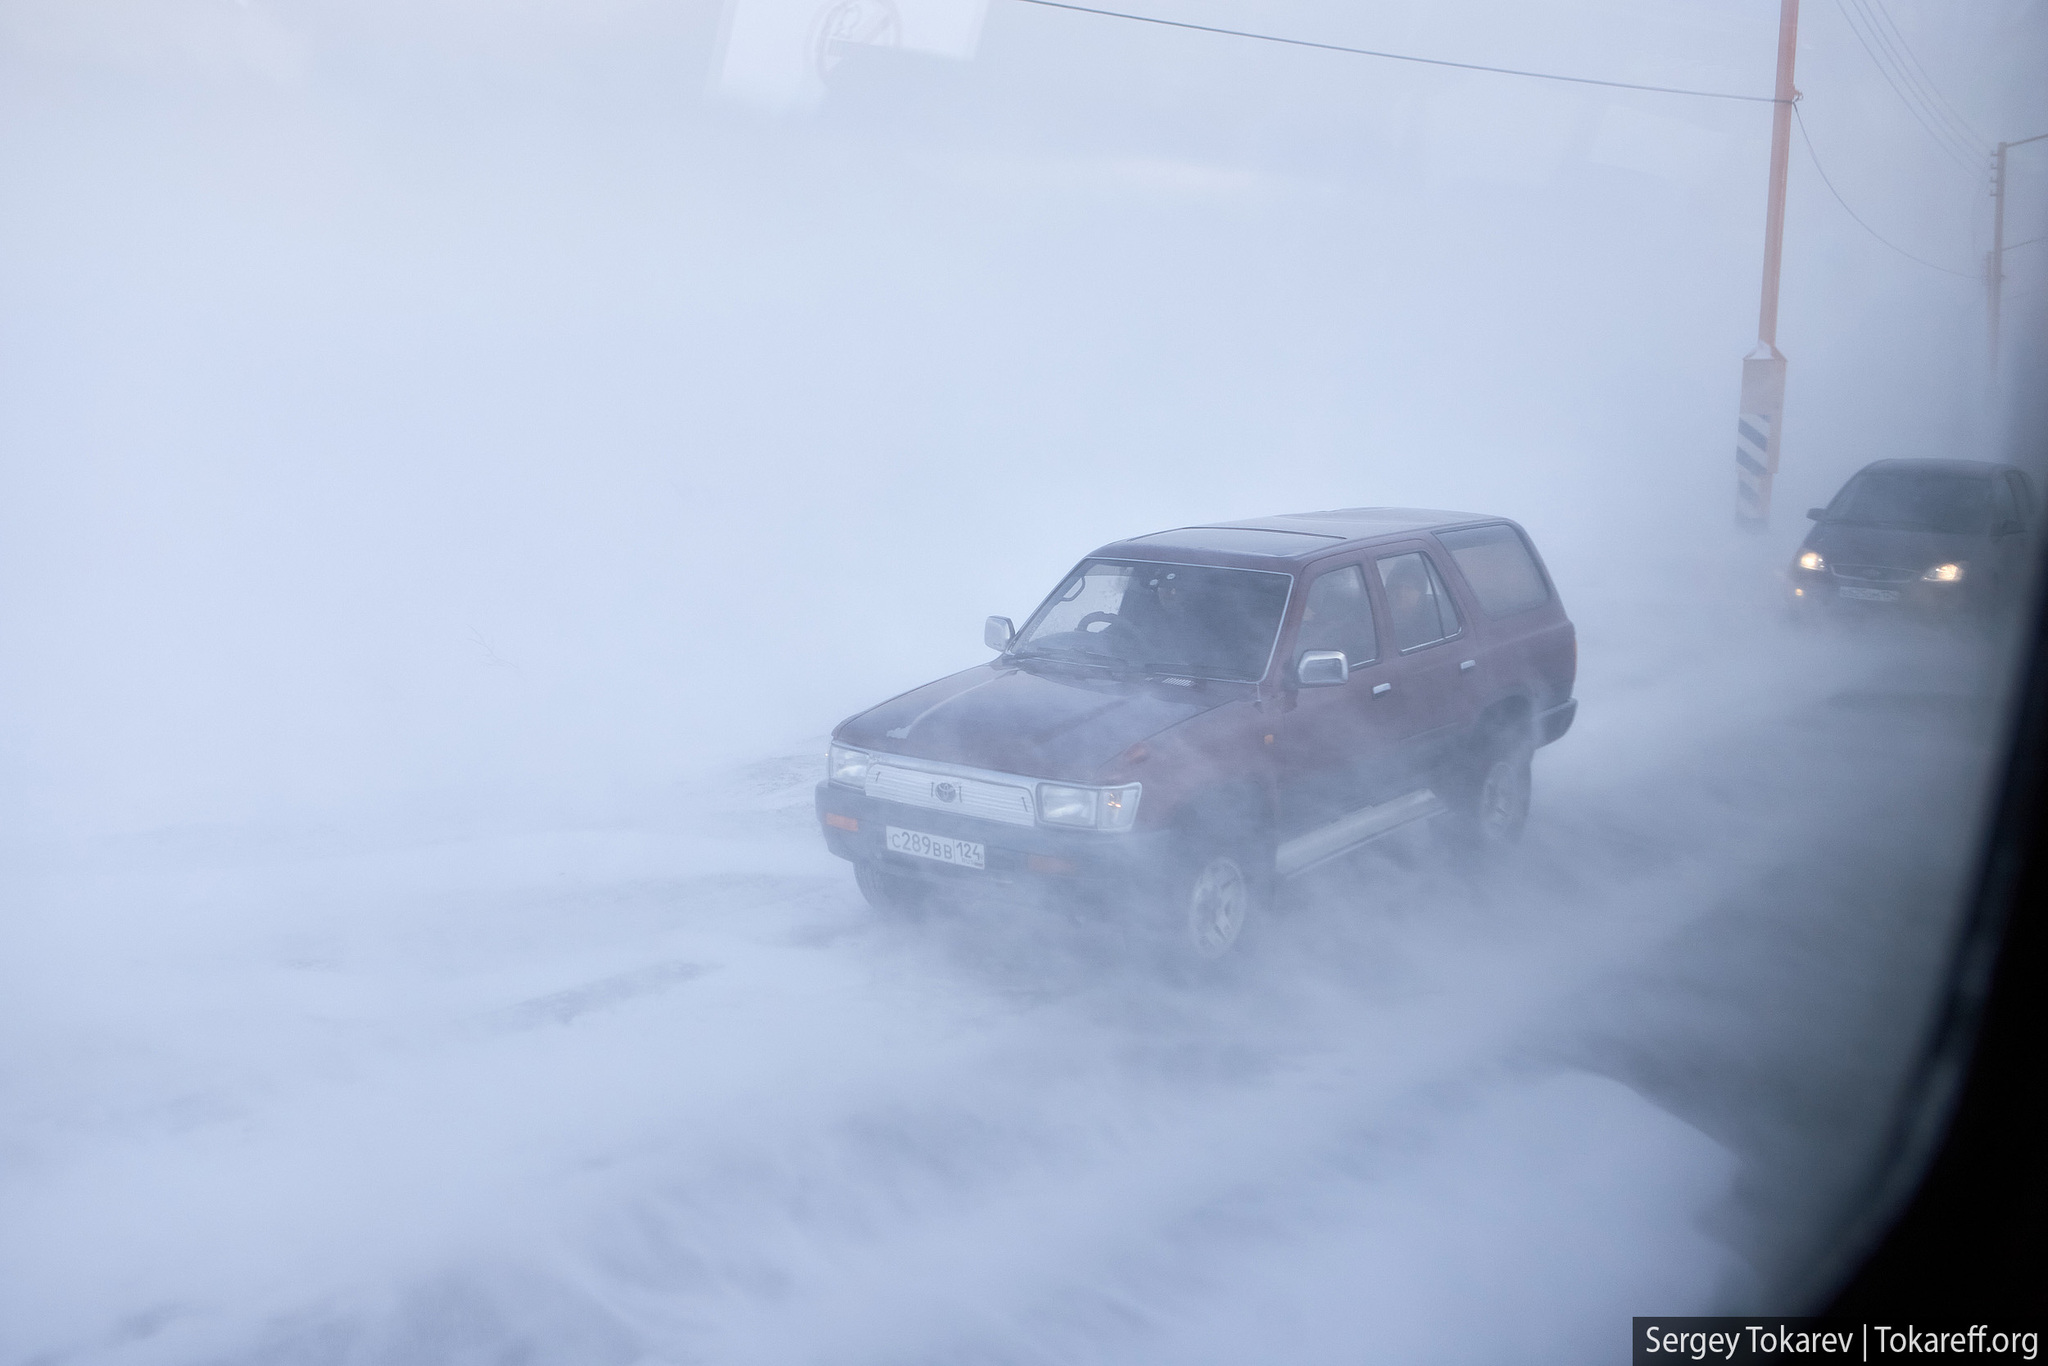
point(1811, 560)
point(845, 764)
point(1945, 573)
point(1089, 808)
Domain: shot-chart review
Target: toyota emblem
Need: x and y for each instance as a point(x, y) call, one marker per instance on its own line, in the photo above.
point(946, 792)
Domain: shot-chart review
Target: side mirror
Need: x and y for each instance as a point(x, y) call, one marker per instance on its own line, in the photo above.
point(1322, 668)
point(1816, 514)
point(997, 633)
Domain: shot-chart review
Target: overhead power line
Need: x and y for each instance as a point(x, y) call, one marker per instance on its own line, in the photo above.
point(1398, 56)
point(1962, 147)
point(1976, 138)
point(1807, 138)
point(1876, 45)
point(1574, 80)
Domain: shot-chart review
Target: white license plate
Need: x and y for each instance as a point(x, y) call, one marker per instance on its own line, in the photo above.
point(1870, 594)
point(939, 849)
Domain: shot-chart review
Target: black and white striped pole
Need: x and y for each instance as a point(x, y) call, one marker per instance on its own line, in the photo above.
point(1994, 261)
point(1758, 425)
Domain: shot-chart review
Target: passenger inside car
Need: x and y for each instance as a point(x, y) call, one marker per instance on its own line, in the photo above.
point(1415, 606)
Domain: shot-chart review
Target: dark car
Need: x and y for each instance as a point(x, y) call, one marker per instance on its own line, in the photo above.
point(1944, 538)
point(1196, 714)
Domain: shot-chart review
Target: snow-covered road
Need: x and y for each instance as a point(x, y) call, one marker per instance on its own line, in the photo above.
point(667, 1091)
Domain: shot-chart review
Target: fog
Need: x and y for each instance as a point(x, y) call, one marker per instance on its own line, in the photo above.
point(460, 462)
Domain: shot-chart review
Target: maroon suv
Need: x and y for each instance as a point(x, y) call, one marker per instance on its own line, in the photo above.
point(1196, 714)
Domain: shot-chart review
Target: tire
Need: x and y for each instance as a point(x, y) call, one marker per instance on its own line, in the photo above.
point(1491, 800)
point(891, 894)
point(1215, 905)
point(1503, 797)
point(1221, 891)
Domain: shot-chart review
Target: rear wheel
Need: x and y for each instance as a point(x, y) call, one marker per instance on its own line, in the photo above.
point(1490, 800)
point(1503, 800)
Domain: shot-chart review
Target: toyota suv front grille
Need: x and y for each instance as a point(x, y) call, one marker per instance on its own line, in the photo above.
point(991, 801)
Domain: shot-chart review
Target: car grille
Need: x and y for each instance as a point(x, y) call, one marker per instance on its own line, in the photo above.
point(1875, 573)
point(945, 792)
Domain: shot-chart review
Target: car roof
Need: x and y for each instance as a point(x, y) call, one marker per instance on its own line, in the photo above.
point(1931, 466)
point(1290, 536)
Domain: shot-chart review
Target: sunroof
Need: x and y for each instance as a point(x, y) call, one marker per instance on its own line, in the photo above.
point(1245, 540)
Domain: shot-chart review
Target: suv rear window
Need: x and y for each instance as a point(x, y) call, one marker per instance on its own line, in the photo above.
point(1497, 564)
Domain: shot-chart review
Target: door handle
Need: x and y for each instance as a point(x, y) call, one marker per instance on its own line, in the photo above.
point(1379, 688)
point(1466, 664)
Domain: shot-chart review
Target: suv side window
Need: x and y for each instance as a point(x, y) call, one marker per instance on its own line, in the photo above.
point(1419, 611)
point(1498, 568)
point(1339, 617)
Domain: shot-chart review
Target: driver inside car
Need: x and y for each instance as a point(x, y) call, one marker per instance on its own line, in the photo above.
point(1159, 618)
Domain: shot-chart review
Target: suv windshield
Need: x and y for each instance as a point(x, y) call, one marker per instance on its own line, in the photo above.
point(1919, 501)
point(1196, 620)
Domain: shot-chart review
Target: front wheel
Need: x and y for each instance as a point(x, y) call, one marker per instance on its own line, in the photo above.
point(1217, 896)
point(1217, 903)
point(887, 892)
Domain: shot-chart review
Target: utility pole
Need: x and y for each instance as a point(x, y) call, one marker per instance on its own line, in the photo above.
point(1994, 264)
point(1763, 370)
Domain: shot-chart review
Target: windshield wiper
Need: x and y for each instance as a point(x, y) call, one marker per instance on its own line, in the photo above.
point(1022, 657)
point(1119, 668)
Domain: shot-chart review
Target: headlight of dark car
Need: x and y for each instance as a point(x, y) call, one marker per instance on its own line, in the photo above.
point(847, 765)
